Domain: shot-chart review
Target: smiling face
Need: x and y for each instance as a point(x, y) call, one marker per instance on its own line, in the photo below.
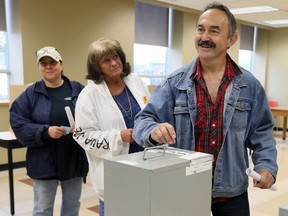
point(50, 69)
point(111, 66)
point(212, 35)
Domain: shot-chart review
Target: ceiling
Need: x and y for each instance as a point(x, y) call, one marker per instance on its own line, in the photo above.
point(253, 18)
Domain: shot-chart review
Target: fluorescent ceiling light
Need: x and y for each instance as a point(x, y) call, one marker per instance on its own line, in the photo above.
point(277, 22)
point(256, 9)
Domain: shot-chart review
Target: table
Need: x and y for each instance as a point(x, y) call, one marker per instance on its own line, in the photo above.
point(281, 111)
point(9, 142)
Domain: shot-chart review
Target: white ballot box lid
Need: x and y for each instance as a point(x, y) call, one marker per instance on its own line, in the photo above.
point(163, 159)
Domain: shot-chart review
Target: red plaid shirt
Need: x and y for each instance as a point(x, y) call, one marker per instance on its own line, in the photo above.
point(209, 117)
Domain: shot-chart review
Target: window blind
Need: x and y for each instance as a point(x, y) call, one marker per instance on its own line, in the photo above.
point(247, 37)
point(151, 24)
point(2, 16)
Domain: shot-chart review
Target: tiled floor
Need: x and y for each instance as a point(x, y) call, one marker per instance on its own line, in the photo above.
point(262, 202)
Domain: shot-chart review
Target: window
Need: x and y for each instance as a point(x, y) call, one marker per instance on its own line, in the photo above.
point(246, 47)
point(4, 75)
point(245, 59)
point(150, 62)
point(151, 42)
point(4, 87)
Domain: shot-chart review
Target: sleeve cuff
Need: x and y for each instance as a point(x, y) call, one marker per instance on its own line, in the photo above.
point(153, 141)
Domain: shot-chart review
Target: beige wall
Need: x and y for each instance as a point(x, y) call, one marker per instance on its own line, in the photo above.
point(71, 26)
point(277, 66)
point(277, 69)
point(4, 126)
point(189, 26)
point(259, 67)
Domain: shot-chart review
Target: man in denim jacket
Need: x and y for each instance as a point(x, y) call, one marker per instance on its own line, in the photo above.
point(214, 106)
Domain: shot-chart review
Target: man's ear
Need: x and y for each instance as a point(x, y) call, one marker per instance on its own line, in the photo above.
point(232, 40)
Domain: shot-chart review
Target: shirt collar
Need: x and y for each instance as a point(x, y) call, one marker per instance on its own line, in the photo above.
point(231, 70)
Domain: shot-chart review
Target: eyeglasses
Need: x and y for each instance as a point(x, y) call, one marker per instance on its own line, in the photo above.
point(48, 50)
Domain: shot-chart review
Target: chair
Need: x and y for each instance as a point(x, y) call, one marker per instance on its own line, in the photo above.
point(273, 103)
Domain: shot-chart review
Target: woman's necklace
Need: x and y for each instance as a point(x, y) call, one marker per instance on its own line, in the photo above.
point(128, 112)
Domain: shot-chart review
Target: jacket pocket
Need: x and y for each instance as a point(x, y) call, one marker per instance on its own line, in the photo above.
point(241, 115)
point(182, 119)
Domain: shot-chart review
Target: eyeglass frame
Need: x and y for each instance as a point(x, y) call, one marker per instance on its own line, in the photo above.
point(48, 50)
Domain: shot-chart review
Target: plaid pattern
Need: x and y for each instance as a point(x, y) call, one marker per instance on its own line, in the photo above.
point(209, 117)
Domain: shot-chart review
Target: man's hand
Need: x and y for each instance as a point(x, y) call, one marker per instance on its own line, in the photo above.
point(267, 180)
point(164, 134)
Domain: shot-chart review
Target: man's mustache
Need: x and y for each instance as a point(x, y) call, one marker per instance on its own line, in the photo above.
point(206, 44)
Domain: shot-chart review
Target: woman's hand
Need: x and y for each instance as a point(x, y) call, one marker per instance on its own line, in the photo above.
point(126, 135)
point(56, 132)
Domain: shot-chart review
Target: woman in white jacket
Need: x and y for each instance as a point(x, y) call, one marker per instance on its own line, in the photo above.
point(106, 107)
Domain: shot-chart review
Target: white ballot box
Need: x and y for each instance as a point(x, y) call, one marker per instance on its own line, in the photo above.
point(283, 210)
point(160, 181)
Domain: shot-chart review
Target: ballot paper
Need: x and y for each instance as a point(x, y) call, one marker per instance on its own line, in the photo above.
point(257, 177)
point(69, 116)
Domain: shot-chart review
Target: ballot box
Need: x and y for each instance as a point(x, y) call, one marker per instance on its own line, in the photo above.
point(283, 210)
point(160, 181)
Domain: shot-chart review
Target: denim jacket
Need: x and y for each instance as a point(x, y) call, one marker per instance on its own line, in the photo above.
point(247, 123)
